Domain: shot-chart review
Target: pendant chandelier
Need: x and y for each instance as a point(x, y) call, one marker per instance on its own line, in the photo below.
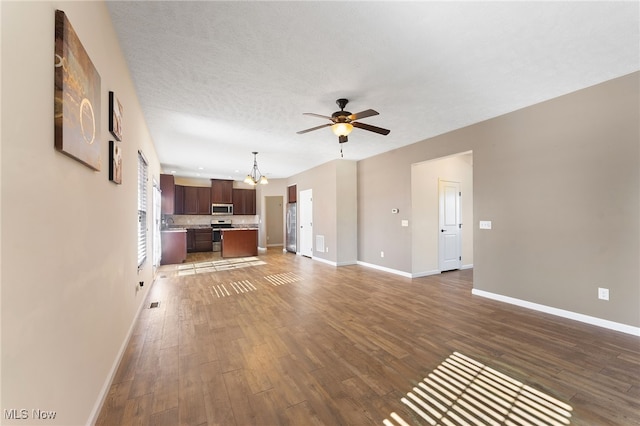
point(255, 177)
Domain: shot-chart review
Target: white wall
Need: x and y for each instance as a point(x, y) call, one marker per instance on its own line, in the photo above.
point(69, 236)
point(425, 210)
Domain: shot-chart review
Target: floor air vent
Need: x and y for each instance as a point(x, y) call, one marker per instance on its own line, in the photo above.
point(154, 305)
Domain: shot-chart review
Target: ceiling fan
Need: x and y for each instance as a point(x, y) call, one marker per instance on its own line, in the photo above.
point(342, 122)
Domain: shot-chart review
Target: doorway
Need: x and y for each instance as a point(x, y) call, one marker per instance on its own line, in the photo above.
point(425, 212)
point(273, 219)
point(306, 222)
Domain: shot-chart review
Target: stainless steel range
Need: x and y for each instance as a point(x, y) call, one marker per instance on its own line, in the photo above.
point(216, 226)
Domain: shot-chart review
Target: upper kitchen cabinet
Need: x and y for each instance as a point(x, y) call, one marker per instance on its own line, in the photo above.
point(221, 191)
point(197, 200)
point(178, 205)
point(292, 194)
point(244, 201)
point(167, 186)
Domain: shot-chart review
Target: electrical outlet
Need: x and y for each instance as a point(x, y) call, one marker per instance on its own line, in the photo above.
point(603, 293)
point(381, 254)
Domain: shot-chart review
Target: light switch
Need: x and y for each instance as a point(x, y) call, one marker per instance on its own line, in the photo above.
point(405, 223)
point(485, 224)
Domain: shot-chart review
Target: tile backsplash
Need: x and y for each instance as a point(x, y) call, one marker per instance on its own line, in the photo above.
point(179, 219)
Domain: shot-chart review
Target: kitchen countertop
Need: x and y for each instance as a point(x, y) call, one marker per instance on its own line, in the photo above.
point(185, 227)
point(171, 227)
point(174, 230)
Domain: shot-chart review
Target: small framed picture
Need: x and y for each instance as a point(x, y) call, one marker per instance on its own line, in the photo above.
point(115, 162)
point(115, 116)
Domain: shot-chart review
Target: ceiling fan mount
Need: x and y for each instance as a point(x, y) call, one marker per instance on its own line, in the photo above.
point(342, 116)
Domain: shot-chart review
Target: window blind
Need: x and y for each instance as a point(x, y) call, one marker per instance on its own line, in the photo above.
point(142, 209)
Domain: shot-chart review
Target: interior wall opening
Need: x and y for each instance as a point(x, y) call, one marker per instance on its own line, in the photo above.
point(425, 206)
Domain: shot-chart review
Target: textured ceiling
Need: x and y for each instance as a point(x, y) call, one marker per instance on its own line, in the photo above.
point(218, 80)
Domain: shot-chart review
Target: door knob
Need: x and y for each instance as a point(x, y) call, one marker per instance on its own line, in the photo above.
point(443, 230)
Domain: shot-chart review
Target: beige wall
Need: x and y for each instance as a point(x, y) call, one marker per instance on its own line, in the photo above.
point(560, 182)
point(346, 212)
point(69, 263)
point(273, 224)
point(334, 208)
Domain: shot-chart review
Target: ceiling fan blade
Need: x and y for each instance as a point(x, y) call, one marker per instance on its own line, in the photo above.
point(316, 115)
point(363, 114)
point(371, 128)
point(314, 128)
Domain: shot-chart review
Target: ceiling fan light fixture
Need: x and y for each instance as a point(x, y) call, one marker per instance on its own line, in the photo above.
point(342, 129)
point(254, 177)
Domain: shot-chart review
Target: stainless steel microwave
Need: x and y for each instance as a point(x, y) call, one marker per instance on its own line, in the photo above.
point(221, 209)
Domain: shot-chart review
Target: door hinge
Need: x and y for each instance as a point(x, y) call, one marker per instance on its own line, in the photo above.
point(460, 258)
point(459, 226)
point(459, 194)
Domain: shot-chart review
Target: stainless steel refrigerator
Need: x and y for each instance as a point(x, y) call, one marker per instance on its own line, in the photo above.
point(291, 228)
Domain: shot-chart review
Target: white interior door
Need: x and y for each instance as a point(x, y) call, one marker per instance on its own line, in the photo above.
point(306, 222)
point(450, 242)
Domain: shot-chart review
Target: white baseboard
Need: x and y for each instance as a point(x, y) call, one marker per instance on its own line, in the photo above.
point(624, 328)
point(328, 262)
point(382, 268)
point(93, 417)
point(425, 273)
point(469, 266)
point(262, 249)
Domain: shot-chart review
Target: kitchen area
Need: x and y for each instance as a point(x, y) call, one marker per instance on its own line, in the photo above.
point(219, 218)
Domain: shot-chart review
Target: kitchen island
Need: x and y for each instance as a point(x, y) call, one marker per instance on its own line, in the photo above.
point(239, 242)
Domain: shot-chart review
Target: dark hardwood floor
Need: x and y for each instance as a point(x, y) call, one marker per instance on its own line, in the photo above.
point(299, 342)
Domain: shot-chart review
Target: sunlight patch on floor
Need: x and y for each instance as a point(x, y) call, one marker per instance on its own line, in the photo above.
point(280, 279)
point(462, 391)
point(218, 265)
point(236, 287)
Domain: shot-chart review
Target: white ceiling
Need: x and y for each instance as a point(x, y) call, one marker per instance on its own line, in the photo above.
point(218, 80)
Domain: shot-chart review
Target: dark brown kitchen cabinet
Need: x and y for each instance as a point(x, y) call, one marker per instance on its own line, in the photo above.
point(203, 239)
point(199, 240)
point(244, 201)
point(292, 194)
point(221, 191)
point(174, 246)
point(167, 188)
point(178, 205)
point(191, 240)
point(197, 200)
